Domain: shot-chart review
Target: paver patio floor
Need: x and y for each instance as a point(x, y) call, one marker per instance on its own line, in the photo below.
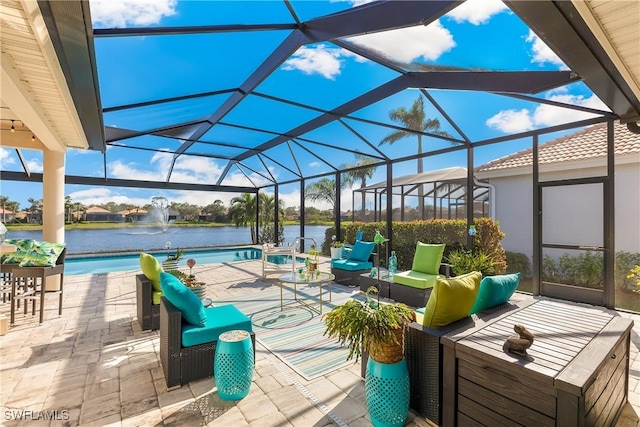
point(94, 366)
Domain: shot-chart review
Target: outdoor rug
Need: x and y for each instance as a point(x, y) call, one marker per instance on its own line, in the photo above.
point(295, 334)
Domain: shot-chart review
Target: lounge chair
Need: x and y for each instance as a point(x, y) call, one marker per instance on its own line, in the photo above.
point(413, 287)
point(348, 271)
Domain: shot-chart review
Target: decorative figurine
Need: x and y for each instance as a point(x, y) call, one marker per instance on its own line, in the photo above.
point(518, 344)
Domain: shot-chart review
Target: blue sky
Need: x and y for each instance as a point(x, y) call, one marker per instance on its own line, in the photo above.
point(480, 34)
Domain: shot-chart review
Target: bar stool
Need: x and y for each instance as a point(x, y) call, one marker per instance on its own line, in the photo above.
point(28, 285)
point(233, 364)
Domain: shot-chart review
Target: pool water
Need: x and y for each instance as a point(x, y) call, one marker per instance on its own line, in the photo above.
point(109, 264)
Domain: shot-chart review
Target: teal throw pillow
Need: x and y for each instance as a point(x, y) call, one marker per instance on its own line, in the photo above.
point(361, 251)
point(193, 312)
point(151, 269)
point(495, 290)
point(427, 258)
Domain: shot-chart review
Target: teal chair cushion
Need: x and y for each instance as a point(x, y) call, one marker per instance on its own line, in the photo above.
point(183, 299)
point(351, 265)
point(415, 279)
point(427, 258)
point(219, 319)
point(361, 251)
point(495, 290)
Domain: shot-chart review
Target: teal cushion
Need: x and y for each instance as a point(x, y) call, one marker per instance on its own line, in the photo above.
point(183, 299)
point(495, 290)
point(351, 265)
point(415, 279)
point(361, 251)
point(219, 319)
point(151, 269)
point(427, 258)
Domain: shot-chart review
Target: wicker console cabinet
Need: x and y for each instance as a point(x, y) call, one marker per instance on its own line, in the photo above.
point(576, 372)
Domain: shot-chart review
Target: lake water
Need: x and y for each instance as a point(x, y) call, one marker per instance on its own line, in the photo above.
point(123, 239)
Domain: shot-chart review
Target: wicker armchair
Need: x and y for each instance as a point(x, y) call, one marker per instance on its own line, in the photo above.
point(148, 312)
point(183, 364)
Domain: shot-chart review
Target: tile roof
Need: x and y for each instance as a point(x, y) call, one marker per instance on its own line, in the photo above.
point(589, 143)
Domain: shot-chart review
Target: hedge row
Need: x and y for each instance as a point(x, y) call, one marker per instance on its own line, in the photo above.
point(451, 232)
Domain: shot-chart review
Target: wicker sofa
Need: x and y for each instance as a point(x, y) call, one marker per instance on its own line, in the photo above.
point(183, 364)
point(148, 312)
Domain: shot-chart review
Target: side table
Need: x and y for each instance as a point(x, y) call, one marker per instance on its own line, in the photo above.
point(233, 364)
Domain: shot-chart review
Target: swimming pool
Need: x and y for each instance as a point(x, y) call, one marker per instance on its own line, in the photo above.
point(111, 263)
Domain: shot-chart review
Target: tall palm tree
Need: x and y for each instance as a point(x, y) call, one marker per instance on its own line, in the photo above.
point(362, 174)
point(414, 119)
point(267, 215)
point(243, 213)
point(322, 190)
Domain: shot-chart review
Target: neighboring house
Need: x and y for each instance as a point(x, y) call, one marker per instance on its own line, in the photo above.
point(95, 213)
point(578, 209)
point(134, 215)
point(7, 215)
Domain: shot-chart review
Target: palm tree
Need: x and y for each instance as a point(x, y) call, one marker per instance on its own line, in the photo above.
point(414, 119)
point(361, 174)
point(267, 214)
point(324, 190)
point(243, 213)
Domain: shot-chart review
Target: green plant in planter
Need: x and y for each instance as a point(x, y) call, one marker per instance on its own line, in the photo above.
point(463, 262)
point(176, 256)
point(367, 324)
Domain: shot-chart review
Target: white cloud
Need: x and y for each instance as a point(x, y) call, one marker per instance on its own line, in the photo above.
point(6, 158)
point(477, 12)
point(34, 165)
point(541, 53)
point(321, 59)
point(512, 121)
point(409, 44)
point(120, 13)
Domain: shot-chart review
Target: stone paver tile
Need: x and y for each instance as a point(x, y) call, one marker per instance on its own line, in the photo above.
point(171, 398)
point(200, 387)
point(188, 415)
point(274, 420)
point(349, 409)
point(110, 421)
point(100, 407)
point(70, 419)
point(226, 417)
point(27, 398)
point(64, 399)
point(151, 417)
point(130, 407)
point(137, 387)
point(256, 408)
point(102, 388)
point(267, 384)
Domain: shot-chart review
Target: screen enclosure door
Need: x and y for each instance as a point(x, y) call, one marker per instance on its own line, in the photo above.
point(573, 246)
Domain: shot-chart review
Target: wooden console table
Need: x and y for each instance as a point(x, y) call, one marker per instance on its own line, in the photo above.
point(576, 372)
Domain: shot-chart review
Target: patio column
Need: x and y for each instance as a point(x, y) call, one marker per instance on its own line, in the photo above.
point(53, 204)
point(53, 196)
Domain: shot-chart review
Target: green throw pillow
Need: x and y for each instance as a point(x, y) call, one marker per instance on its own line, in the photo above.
point(22, 245)
point(495, 290)
point(427, 258)
point(151, 269)
point(183, 299)
point(451, 299)
point(42, 254)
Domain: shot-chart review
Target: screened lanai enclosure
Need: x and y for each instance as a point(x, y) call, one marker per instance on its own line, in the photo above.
point(379, 101)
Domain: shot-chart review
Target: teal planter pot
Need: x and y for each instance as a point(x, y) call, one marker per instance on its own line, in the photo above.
point(387, 393)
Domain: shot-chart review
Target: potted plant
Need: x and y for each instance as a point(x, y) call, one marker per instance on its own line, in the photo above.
point(314, 258)
point(173, 260)
point(197, 287)
point(377, 328)
point(336, 248)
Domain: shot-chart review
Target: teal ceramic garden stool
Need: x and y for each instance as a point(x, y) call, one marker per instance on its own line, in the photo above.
point(387, 393)
point(233, 365)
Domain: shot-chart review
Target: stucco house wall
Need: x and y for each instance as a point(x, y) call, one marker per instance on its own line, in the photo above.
point(582, 223)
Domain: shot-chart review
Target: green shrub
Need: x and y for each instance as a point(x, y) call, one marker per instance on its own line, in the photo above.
point(518, 262)
point(451, 232)
point(463, 262)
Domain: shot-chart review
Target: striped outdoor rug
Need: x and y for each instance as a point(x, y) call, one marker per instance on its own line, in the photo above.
point(295, 334)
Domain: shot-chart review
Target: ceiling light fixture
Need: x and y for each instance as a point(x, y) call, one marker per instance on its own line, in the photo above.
point(33, 138)
point(13, 128)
